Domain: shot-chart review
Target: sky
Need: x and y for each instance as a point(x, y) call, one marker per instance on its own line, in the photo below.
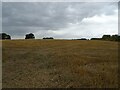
point(61, 20)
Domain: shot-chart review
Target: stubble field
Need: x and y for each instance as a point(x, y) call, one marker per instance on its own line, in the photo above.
point(59, 64)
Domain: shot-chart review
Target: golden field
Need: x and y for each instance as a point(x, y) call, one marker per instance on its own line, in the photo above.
point(59, 64)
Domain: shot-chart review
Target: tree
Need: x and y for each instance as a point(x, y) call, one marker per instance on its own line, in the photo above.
point(82, 39)
point(5, 36)
point(30, 36)
point(115, 38)
point(106, 37)
point(48, 38)
point(95, 38)
point(8, 37)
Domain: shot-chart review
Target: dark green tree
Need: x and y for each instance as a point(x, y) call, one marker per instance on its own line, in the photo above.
point(106, 37)
point(30, 36)
point(48, 38)
point(5, 36)
point(95, 38)
point(115, 38)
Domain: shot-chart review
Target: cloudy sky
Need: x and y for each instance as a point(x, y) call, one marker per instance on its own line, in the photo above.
point(60, 19)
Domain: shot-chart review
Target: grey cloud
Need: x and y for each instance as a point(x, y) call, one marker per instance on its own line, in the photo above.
point(22, 17)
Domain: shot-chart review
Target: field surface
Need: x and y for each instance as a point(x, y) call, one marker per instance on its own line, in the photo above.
point(59, 64)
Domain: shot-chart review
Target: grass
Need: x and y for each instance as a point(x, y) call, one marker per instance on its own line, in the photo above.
point(59, 64)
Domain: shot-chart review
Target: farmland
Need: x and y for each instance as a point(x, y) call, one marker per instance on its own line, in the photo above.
point(59, 64)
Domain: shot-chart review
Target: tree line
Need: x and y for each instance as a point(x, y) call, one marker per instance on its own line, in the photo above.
point(27, 36)
point(32, 36)
point(108, 38)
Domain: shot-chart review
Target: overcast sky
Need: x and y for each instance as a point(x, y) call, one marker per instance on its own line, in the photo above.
point(60, 19)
